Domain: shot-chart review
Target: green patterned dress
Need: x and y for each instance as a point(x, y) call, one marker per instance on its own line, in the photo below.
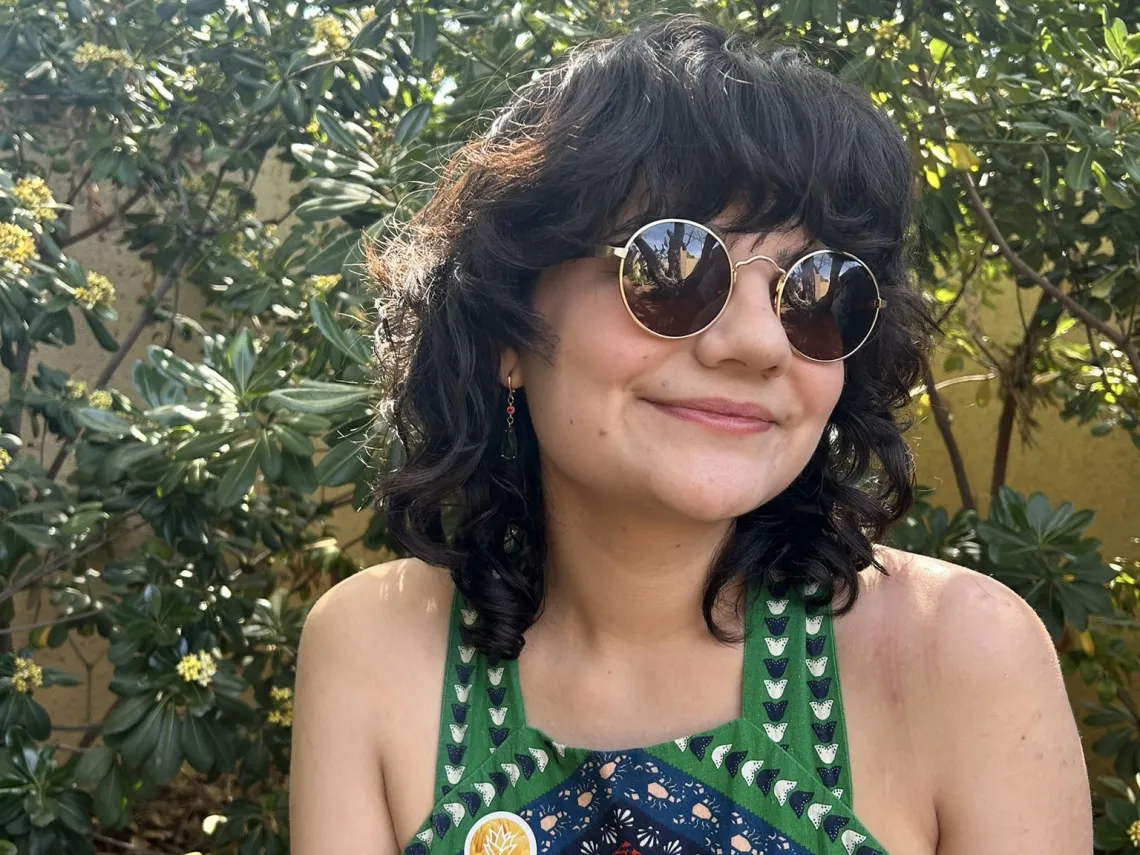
point(775, 780)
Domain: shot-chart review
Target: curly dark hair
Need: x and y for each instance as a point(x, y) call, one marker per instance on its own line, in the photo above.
point(685, 118)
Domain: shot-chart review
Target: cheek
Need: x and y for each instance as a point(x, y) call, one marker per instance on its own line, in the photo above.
point(817, 388)
point(598, 354)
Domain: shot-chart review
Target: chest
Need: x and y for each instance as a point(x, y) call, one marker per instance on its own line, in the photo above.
point(644, 701)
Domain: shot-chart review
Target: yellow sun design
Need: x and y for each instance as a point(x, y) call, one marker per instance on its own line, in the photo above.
point(500, 833)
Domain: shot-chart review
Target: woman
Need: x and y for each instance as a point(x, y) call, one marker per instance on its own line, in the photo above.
point(648, 348)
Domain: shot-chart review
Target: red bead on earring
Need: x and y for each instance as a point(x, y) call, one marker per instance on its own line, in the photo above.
point(509, 448)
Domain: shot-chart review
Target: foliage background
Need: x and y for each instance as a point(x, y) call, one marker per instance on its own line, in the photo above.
point(188, 426)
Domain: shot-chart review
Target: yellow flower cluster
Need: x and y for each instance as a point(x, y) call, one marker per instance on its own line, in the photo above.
point(97, 290)
point(74, 390)
point(321, 285)
point(197, 668)
point(1134, 832)
point(100, 399)
point(283, 715)
point(329, 31)
point(110, 59)
point(16, 244)
point(5, 459)
point(313, 128)
point(34, 194)
point(28, 675)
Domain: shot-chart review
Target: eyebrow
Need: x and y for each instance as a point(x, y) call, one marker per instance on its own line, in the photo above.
point(788, 256)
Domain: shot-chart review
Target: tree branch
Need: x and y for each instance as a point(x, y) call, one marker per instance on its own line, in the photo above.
point(941, 415)
point(9, 630)
point(1120, 338)
point(103, 222)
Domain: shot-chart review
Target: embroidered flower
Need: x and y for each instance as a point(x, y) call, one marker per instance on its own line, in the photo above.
point(647, 836)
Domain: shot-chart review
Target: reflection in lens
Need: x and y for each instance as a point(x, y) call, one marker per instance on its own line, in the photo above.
point(676, 278)
point(828, 305)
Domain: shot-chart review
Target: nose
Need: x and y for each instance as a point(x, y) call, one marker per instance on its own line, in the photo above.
point(749, 332)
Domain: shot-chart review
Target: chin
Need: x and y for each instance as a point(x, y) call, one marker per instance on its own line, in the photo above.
point(716, 502)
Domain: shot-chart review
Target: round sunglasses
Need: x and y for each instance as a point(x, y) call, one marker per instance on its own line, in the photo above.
point(676, 277)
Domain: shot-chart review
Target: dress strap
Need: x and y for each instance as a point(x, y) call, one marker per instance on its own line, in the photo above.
point(481, 704)
point(773, 655)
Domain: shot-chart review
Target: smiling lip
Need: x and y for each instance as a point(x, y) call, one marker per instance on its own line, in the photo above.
point(720, 414)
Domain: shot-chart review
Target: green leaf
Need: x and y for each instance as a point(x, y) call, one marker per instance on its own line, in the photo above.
point(1116, 40)
point(412, 123)
point(347, 342)
point(37, 536)
point(140, 741)
point(127, 713)
point(206, 444)
point(323, 161)
point(1078, 171)
point(293, 441)
point(166, 759)
point(72, 812)
point(100, 331)
point(110, 800)
point(331, 257)
point(825, 12)
point(94, 766)
point(328, 207)
point(342, 464)
point(268, 99)
point(239, 476)
point(102, 421)
point(1132, 166)
point(795, 12)
point(425, 43)
point(242, 357)
point(196, 745)
point(315, 396)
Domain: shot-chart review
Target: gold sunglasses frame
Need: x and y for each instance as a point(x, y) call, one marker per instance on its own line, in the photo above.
point(622, 252)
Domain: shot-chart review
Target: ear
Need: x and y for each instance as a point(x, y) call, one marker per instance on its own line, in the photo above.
point(510, 368)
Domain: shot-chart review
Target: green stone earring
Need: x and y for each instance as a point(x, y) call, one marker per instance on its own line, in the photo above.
point(509, 448)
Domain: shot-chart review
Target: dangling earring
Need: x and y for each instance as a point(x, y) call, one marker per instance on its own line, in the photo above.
point(509, 449)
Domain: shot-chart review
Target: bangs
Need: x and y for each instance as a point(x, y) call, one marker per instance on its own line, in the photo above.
point(689, 122)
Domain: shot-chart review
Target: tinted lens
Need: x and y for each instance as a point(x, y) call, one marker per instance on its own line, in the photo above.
point(676, 278)
point(829, 305)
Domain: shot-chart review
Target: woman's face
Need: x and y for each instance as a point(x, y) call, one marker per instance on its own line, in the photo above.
point(625, 417)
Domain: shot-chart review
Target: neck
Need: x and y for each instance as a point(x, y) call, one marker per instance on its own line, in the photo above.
point(622, 576)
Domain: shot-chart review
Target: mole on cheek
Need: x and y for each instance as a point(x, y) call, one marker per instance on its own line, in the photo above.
point(602, 432)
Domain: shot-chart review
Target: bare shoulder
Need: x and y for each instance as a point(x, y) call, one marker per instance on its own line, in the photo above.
point(983, 689)
point(382, 627)
point(405, 598)
point(369, 679)
point(954, 616)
